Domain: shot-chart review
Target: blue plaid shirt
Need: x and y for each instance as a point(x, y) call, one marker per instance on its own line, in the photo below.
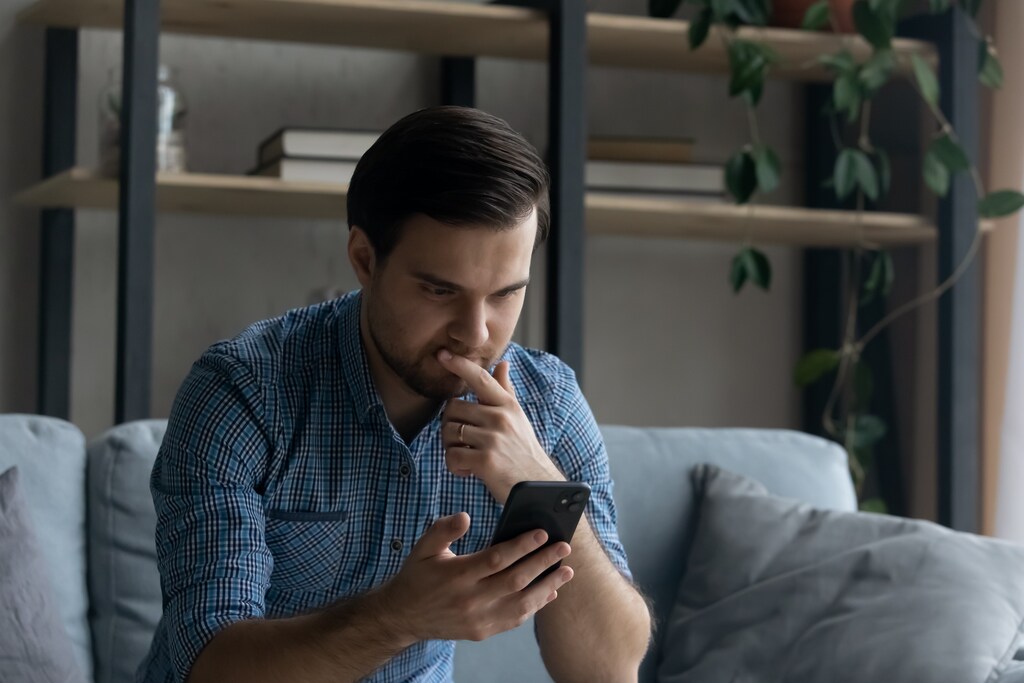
point(281, 486)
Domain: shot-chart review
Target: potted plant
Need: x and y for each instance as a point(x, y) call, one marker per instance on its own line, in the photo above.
point(861, 174)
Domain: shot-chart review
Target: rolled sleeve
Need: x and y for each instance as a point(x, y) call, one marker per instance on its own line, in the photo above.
point(580, 452)
point(211, 550)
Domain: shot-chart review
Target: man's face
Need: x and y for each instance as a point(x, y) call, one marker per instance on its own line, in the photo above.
point(444, 287)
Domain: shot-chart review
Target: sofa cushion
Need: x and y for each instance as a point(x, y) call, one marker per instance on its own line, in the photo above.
point(50, 456)
point(34, 646)
point(778, 590)
point(124, 582)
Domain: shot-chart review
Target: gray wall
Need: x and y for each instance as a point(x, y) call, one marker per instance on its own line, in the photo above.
point(667, 341)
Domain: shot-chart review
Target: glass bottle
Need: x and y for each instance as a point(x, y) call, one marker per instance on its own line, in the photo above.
point(171, 111)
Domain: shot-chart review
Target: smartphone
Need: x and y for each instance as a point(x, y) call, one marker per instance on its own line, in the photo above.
point(554, 506)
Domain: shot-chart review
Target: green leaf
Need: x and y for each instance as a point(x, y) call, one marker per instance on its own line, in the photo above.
point(880, 279)
point(752, 12)
point(990, 71)
point(877, 71)
point(936, 175)
point(926, 80)
point(971, 6)
point(759, 268)
point(868, 430)
point(867, 177)
point(1000, 203)
point(816, 17)
point(748, 65)
point(741, 176)
point(722, 9)
point(699, 28)
point(738, 274)
point(884, 170)
point(874, 505)
point(663, 8)
point(814, 365)
point(939, 6)
point(872, 25)
point(846, 95)
point(950, 154)
point(840, 62)
point(845, 173)
point(768, 168)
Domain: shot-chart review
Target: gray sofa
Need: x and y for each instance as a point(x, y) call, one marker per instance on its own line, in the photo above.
point(92, 510)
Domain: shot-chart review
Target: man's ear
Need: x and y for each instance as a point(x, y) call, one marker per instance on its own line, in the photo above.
point(361, 255)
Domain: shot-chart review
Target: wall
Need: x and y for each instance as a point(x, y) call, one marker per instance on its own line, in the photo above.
point(667, 341)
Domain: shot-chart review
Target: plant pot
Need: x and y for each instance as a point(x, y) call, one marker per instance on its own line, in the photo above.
point(790, 13)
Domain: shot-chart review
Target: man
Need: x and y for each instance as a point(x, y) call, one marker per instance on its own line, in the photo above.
point(313, 485)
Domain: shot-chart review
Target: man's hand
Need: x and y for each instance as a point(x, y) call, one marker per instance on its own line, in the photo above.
point(439, 595)
point(492, 440)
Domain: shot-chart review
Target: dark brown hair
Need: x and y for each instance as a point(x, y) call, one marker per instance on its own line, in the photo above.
point(457, 165)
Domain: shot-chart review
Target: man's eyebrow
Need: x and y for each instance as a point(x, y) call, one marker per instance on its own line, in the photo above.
point(440, 282)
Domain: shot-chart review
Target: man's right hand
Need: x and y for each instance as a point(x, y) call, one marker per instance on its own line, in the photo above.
point(440, 595)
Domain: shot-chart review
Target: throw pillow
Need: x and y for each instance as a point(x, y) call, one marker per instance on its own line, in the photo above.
point(776, 590)
point(34, 647)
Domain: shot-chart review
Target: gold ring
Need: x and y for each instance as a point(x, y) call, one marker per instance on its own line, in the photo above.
point(462, 430)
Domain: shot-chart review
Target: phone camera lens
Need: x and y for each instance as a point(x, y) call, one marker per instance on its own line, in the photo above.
point(565, 501)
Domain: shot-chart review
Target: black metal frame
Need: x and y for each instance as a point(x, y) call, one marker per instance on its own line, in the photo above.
point(959, 371)
point(57, 239)
point(567, 62)
point(137, 210)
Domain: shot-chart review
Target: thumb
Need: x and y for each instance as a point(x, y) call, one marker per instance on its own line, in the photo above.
point(501, 375)
point(441, 535)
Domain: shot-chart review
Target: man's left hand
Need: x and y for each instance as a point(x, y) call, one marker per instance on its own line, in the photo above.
point(492, 440)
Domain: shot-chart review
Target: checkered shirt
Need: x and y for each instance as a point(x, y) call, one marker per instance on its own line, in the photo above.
point(281, 486)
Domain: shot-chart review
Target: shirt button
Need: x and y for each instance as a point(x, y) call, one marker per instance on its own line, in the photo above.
point(405, 470)
point(397, 545)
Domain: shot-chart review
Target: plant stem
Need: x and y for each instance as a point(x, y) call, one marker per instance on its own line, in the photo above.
point(925, 298)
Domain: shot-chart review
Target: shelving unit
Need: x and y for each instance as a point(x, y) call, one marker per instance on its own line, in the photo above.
point(558, 31)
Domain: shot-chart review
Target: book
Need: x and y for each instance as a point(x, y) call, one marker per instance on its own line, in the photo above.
point(624, 176)
point(316, 170)
point(665, 150)
point(315, 143)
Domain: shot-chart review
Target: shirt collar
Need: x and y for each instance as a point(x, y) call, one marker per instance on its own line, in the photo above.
point(362, 391)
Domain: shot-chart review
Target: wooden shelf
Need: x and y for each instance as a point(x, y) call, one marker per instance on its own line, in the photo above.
point(644, 217)
point(81, 188)
point(605, 214)
point(460, 29)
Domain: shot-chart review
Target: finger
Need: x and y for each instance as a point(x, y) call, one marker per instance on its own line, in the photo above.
point(503, 378)
point(462, 461)
point(441, 534)
point(534, 598)
point(521, 575)
point(499, 557)
point(479, 380)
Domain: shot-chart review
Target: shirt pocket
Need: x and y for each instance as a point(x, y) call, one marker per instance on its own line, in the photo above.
point(308, 548)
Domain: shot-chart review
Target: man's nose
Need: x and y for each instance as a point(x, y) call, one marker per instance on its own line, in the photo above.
point(469, 328)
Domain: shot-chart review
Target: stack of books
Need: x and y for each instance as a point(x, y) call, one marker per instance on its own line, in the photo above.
point(655, 168)
point(312, 154)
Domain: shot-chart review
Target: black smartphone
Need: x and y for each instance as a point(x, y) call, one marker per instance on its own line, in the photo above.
point(554, 506)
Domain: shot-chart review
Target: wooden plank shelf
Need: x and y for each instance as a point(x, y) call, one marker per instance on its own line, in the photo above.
point(460, 29)
point(605, 214)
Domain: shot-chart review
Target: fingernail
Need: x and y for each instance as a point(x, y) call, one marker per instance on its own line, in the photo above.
point(444, 354)
point(540, 537)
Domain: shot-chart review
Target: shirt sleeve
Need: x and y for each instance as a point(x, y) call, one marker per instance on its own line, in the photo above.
point(211, 552)
point(580, 452)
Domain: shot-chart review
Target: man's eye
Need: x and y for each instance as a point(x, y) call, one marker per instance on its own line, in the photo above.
point(438, 291)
